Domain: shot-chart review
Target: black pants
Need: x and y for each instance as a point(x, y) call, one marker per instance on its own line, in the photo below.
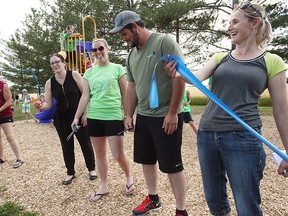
point(62, 123)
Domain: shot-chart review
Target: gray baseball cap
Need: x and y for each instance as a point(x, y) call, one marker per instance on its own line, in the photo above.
point(124, 18)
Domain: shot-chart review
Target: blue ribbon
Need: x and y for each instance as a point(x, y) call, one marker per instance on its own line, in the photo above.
point(188, 75)
point(153, 93)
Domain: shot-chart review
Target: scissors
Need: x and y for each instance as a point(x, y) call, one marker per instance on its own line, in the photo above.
point(127, 129)
point(75, 129)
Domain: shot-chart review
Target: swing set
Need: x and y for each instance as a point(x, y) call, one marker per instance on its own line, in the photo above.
point(32, 71)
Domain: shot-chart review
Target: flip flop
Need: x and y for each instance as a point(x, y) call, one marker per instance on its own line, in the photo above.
point(99, 195)
point(130, 189)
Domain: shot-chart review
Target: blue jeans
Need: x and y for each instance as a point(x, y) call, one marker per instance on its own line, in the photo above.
point(240, 156)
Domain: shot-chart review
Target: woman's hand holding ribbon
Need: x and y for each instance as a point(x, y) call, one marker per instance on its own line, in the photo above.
point(170, 67)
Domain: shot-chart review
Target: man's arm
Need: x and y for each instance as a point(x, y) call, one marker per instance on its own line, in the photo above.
point(131, 105)
point(170, 123)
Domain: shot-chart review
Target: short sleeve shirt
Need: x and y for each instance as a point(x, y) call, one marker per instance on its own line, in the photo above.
point(239, 84)
point(140, 67)
point(105, 93)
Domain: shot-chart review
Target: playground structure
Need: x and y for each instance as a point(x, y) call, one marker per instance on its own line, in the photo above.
point(83, 49)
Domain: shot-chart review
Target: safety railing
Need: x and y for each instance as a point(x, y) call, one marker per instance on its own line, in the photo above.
point(80, 57)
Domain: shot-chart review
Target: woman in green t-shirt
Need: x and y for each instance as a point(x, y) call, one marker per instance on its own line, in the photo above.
point(105, 91)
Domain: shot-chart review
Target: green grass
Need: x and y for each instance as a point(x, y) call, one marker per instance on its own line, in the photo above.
point(196, 109)
point(264, 110)
point(197, 106)
point(18, 115)
point(12, 209)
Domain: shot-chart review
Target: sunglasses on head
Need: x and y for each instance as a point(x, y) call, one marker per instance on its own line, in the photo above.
point(247, 4)
point(101, 48)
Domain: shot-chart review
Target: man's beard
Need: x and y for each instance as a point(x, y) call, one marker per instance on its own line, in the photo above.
point(135, 41)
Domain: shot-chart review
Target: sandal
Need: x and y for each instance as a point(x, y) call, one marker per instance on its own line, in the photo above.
point(130, 189)
point(97, 196)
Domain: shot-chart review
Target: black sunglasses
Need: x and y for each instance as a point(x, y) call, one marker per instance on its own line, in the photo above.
point(101, 48)
point(245, 5)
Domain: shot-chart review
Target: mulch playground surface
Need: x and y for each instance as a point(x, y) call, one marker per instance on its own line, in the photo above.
point(37, 184)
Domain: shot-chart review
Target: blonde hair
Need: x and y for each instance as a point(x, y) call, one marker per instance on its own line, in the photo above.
point(102, 40)
point(68, 27)
point(264, 30)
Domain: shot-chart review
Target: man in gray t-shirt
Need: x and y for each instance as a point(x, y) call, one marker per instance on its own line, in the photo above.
point(158, 131)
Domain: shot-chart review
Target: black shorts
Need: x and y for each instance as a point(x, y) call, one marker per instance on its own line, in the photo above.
point(187, 117)
point(151, 144)
point(6, 120)
point(99, 128)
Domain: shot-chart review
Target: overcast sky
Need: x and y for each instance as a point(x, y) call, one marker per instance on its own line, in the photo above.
point(13, 14)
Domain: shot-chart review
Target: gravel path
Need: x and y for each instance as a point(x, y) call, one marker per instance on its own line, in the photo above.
point(37, 185)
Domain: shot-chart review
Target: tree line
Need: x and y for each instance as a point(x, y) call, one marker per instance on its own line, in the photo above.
point(198, 26)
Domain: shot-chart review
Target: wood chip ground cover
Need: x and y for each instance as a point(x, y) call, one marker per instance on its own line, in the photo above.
point(37, 185)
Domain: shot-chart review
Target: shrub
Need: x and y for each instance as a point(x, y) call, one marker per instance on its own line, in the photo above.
point(203, 100)
point(12, 209)
point(265, 101)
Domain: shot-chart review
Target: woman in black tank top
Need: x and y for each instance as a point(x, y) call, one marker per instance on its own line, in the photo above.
point(66, 88)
